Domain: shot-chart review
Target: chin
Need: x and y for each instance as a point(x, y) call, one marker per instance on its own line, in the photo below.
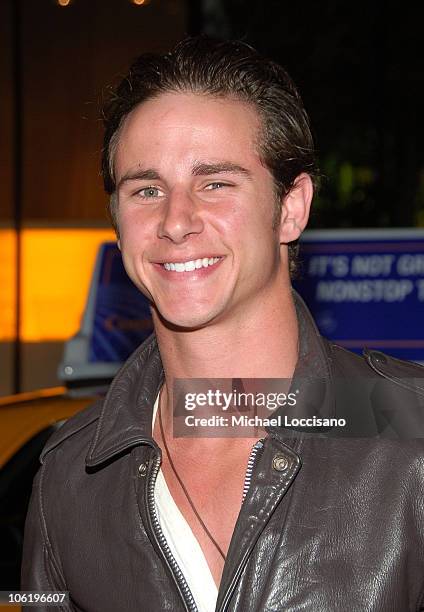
point(189, 321)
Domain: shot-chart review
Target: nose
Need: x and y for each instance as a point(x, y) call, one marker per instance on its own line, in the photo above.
point(180, 218)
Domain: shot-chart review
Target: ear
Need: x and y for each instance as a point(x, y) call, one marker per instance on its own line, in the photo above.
point(295, 209)
point(118, 244)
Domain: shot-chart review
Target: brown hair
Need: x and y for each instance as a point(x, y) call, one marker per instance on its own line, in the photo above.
point(221, 69)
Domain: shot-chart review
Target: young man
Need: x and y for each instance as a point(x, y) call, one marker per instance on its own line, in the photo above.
point(209, 162)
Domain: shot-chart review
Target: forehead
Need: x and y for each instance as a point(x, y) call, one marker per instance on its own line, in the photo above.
point(187, 125)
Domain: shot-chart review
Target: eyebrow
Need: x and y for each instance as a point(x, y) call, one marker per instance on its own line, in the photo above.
point(202, 169)
point(199, 169)
point(139, 175)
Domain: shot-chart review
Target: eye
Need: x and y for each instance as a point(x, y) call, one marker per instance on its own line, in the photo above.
point(149, 193)
point(216, 185)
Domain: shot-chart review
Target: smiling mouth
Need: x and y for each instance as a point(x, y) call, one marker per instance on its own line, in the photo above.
point(192, 264)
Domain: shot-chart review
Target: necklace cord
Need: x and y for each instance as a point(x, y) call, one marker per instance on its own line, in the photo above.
point(171, 463)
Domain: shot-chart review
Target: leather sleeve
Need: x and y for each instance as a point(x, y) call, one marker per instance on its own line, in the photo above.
point(39, 570)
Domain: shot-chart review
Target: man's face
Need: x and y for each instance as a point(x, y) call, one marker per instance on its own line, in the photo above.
point(196, 209)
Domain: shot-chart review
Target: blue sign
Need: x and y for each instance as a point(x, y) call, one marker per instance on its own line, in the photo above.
point(365, 288)
point(122, 319)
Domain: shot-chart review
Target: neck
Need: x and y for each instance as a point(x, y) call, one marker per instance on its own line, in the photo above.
point(261, 342)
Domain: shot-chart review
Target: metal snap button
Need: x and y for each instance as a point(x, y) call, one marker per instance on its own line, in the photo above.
point(379, 357)
point(142, 469)
point(280, 463)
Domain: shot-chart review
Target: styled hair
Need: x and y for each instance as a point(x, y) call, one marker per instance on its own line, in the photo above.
point(220, 69)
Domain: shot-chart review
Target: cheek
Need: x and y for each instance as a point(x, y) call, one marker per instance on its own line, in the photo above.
point(135, 230)
point(132, 260)
point(243, 225)
point(233, 217)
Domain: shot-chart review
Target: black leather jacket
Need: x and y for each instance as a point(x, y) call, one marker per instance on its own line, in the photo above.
point(336, 525)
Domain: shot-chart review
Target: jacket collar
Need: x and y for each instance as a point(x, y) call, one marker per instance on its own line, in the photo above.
point(126, 416)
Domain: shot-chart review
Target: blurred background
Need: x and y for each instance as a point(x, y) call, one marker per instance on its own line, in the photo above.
point(357, 64)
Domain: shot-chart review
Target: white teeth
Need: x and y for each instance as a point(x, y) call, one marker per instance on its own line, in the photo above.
point(193, 264)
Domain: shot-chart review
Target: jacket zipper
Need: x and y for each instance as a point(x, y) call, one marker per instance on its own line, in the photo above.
point(257, 447)
point(185, 589)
